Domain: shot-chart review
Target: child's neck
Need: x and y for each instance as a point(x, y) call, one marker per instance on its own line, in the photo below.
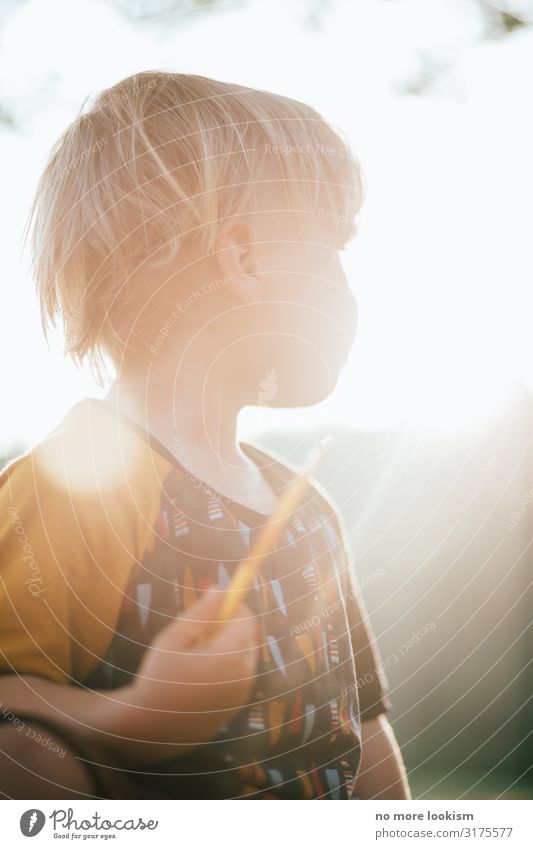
point(192, 410)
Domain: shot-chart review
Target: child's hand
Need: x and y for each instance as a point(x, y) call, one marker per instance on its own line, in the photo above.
point(189, 683)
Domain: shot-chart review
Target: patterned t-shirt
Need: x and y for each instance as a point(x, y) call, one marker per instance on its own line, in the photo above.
point(300, 735)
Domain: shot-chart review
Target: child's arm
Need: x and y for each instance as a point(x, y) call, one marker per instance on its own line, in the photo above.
point(382, 772)
point(183, 692)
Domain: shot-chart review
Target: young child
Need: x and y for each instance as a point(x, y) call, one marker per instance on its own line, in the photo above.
point(187, 232)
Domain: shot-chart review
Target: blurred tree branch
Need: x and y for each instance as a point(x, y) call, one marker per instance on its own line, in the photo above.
point(147, 11)
point(501, 17)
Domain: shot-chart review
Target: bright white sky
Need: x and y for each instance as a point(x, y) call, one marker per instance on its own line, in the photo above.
point(442, 265)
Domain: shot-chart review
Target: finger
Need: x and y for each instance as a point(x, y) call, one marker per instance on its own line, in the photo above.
point(236, 651)
point(199, 616)
point(236, 635)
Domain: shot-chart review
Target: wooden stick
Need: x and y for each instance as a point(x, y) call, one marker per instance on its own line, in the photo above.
point(266, 541)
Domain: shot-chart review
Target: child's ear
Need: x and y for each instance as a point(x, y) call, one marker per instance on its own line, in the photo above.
point(236, 256)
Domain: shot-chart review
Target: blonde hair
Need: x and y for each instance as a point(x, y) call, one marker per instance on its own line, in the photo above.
point(157, 159)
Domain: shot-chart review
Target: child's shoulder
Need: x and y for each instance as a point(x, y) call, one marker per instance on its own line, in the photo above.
point(90, 457)
point(77, 512)
point(90, 488)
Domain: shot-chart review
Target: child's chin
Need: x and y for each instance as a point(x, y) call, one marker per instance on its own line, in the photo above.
point(306, 392)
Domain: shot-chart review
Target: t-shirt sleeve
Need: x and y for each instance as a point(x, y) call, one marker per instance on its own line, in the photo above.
point(68, 543)
point(34, 610)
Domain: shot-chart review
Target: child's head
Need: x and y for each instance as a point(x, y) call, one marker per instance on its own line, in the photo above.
point(179, 202)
